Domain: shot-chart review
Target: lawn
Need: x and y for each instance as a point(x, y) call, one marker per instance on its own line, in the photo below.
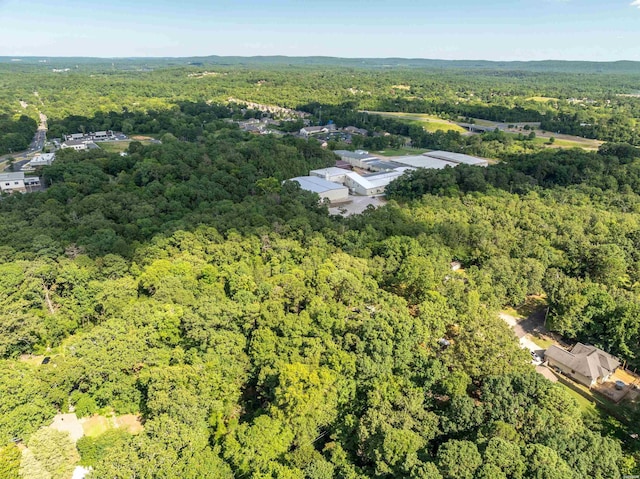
point(114, 146)
point(119, 146)
point(429, 122)
point(96, 425)
point(542, 99)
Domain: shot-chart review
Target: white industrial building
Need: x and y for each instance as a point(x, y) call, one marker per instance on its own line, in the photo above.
point(333, 192)
point(457, 158)
point(371, 185)
point(422, 161)
point(356, 158)
point(333, 174)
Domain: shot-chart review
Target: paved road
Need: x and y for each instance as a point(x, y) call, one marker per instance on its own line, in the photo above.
point(37, 144)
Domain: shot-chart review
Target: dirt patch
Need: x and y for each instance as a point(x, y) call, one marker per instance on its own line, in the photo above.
point(68, 423)
point(141, 138)
point(130, 423)
point(31, 359)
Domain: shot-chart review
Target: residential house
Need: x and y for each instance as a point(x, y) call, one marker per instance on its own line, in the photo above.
point(356, 131)
point(585, 364)
point(308, 131)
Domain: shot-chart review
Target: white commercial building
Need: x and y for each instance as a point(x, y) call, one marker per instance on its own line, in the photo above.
point(12, 182)
point(356, 158)
point(458, 158)
point(371, 185)
point(422, 161)
point(77, 145)
point(333, 174)
point(37, 161)
point(333, 192)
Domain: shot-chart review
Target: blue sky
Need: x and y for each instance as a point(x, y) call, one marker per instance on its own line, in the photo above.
point(599, 30)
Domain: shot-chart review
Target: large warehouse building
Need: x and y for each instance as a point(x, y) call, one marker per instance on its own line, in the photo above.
point(333, 192)
point(457, 158)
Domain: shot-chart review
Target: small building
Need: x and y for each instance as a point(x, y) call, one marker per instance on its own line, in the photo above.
point(308, 131)
point(457, 158)
point(37, 161)
point(101, 135)
point(356, 131)
point(356, 158)
point(334, 175)
point(333, 192)
point(17, 182)
point(585, 364)
point(78, 145)
point(75, 136)
point(11, 182)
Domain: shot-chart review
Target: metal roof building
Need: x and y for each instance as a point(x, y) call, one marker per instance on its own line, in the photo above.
point(375, 184)
point(422, 161)
point(333, 174)
point(458, 158)
point(325, 189)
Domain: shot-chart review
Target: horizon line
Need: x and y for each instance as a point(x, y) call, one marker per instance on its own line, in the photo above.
point(62, 57)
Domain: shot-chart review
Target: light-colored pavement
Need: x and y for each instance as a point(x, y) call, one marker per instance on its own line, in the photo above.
point(525, 342)
point(68, 423)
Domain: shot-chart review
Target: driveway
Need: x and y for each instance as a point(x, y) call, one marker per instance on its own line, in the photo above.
point(520, 331)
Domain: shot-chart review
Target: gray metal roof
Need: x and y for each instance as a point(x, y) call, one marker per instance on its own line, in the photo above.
point(588, 361)
point(317, 184)
point(383, 165)
point(456, 157)
point(12, 176)
point(422, 161)
point(358, 155)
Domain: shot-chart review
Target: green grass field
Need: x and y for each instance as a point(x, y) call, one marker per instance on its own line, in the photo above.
point(118, 146)
point(429, 122)
point(542, 99)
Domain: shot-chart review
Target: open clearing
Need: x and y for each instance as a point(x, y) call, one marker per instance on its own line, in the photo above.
point(429, 122)
point(542, 99)
point(120, 146)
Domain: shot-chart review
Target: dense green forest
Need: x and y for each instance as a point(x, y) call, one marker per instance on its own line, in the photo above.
point(258, 336)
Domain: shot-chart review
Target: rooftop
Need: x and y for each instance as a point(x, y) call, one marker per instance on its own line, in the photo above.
point(331, 171)
point(358, 154)
point(588, 361)
point(377, 180)
point(456, 157)
point(316, 184)
point(11, 176)
point(422, 161)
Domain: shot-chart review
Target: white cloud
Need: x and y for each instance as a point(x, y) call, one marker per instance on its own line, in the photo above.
point(635, 3)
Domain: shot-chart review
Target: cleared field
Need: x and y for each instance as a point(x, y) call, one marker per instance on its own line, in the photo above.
point(96, 425)
point(542, 99)
point(118, 146)
point(567, 141)
point(428, 122)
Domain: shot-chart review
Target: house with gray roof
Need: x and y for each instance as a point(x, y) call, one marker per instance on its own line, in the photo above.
point(585, 364)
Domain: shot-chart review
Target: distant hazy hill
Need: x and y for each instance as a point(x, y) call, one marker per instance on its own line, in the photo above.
point(144, 63)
